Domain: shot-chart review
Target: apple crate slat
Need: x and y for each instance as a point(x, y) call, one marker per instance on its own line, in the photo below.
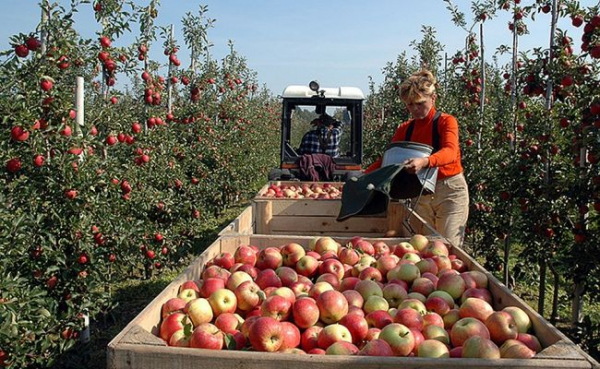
point(303, 216)
point(138, 347)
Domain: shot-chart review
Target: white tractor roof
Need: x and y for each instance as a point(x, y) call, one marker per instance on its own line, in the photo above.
point(331, 92)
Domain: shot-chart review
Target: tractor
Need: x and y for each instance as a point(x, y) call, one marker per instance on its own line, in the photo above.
point(301, 105)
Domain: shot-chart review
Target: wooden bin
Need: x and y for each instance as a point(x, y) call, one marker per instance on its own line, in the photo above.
point(281, 216)
point(138, 346)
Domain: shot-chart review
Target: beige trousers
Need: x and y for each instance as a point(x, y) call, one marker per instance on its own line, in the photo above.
point(447, 210)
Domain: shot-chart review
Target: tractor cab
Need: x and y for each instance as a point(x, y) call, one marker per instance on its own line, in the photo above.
point(302, 106)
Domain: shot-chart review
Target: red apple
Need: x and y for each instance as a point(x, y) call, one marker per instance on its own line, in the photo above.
point(465, 328)
point(333, 333)
point(433, 348)
point(307, 266)
point(248, 295)
point(237, 278)
point(210, 285)
point(287, 275)
point(376, 347)
point(342, 348)
point(394, 294)
point(276, 307)
point(172, 305)
point(246, 255)
point(266, 334)
point(332, 306)
point(207, 336)
point(291, 336)
point(291, 253)
point(305, 312)
point(409, 318)
point(225, 260)
point(379, 319)
point(530, 341)
point(475, 308)
point(502, 327)
point(269, 258)
point(229, 323)
point(199, 311)
point(480, 347)
point(419, 242)
point(268, 278)
point(171, 324)
point(357, 325)
point(521, 318)
point(309, 338)
point(399, 337)
point(223, 301)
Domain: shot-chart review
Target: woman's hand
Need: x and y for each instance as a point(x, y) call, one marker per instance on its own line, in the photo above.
point(416, 164)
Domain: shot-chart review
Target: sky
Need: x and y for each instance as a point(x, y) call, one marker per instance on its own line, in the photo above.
point(337, 42)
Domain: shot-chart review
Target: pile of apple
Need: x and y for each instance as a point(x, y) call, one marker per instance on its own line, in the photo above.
point(363, 298)
point(304, 191)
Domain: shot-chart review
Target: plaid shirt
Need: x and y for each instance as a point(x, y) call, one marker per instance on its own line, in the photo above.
point(311, 142)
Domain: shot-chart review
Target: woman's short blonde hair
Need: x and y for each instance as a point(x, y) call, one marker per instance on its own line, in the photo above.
point(418, 86)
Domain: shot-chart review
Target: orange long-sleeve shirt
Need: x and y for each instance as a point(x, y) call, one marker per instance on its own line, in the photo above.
point(447, 158)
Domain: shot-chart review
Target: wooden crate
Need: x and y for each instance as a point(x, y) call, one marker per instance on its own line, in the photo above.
point(137, 346)
point(318, 217)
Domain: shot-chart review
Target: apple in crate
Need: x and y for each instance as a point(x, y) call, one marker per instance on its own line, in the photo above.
point(333, 306)
point(376, 347)
point(223, 301)
point(171, 324)
point(480, 347)
point(342, 348)
point(245, 254)
point(520, 317)
point(291, 336)
point(357, 325)
point(309, 338)
point(475, 308)
point(266, 334)
point(199, 311)
point(210, 285)
point(305, 312)
point(502, 327)
point(433, 348)
point(514, 349)
point(207, 336)
point(465, 328)
point(331, 334)
point(276, 307)
point(172, 305)
point(291, 253)
point(248, 295)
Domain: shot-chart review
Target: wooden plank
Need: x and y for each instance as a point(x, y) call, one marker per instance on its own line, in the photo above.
point(309, 207)
point(136, 357)
point(263, 214)
point(240, 225)
point(327, 225)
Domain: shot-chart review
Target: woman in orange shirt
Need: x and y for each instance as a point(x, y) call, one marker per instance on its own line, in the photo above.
point(447, 209)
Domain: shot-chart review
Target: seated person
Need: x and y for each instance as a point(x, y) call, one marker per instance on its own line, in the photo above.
point(323, 139)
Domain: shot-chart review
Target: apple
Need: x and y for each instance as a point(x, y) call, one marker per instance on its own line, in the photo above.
point(269, 258)
point(419, 242)
point(404, 272)
point(211, 285)
point(427, 265)
point(480, 279)
point(229, 323)
point(444, 295)
point(514, 349)
point(451, 283)
point(199, 311)
point(365, 247)
point(332, 266)
point(332, 306)
point(252, 271)
point(433, 348)
point(450, 318)
point(521, 318)
point(223, 301)
point(301, 288)
point(399, 337)
point(438, 305)
point(308, 338)
point(276, 307)
point(456, 352)
point(379, 319)
point(431, 318)
point(173, 323)
point(459, 265)
point(373, 333)
point(480, 293)
point(268, 278)
point(225, 260)
point(432, 277)
point(357, 325)
point(368, 288)
point(530, 341)
point(348, 256)
point(394, 294)
point(409, 318)
point(480, 347)
point(502, 327)
point(324, 244)
point(329, 278)
point(248, 295)
point(291, 253)
point(442, 262)
point(215, 271)
point(291, 336)
point(287, 275)
point(172, 305)
point(307, 266)
point(286, 293)
point(245, 328)
point(333, 333)
point(404, 248)
point(342, 348)
point(422, 285)
point(246, 255)
point(305, 312)
point(435, 248)
point(465, 328)
point(235, 340)
point(189, 284)
point(376, 347)
point(348, 283)
point(410, 258)
point(354, 298)
point(375, 303)
point(318, 288)
point(435, 332)
point(266, 334)
point(414, 304)
point(181, 338)
point(385, 263)
point(237, 278)
point(207, 336)
point(381, 249)
point(187, 294)
point(475, 308)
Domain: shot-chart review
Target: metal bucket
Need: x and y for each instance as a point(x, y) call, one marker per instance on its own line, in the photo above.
point(409, 185)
